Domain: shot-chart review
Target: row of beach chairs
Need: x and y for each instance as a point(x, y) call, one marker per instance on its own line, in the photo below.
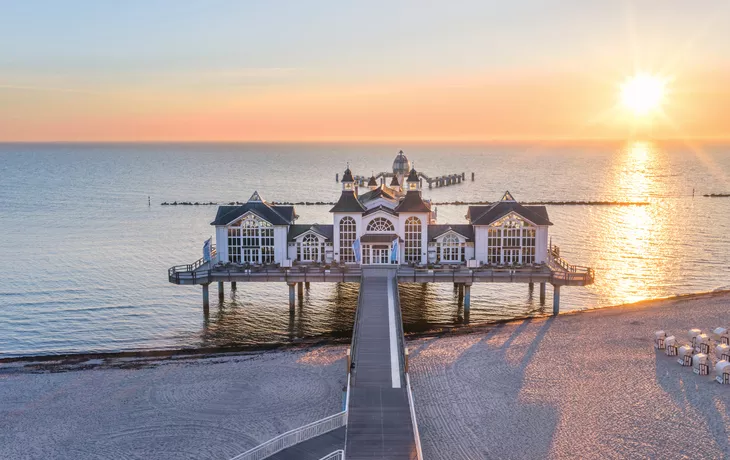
point(700, 352)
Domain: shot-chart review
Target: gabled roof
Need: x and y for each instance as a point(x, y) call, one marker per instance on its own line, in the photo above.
point(413, 176)
point(485, 215)
point(381, 192)
point(465, 230)
point(298, 230)
point(380, 208)
point(275, 215)
point(348, 202)
point(413, 202)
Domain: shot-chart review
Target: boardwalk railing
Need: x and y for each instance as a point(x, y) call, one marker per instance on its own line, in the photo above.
point(336, 455)
point(301, 434)
point(294, 437)
point(413, 418)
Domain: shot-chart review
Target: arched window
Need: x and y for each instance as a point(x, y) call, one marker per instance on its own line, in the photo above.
point(310, 249)
point(413, 240)
point(511, 241)
point(380, 224)
point(251, 240)
point(348, 233)
point(451, 249)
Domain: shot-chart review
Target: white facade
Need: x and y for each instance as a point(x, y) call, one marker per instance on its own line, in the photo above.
point(366, 226)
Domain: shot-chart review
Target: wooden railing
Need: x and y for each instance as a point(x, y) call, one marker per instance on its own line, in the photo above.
point(562, 269)
point(336, 455)
point(191, 267)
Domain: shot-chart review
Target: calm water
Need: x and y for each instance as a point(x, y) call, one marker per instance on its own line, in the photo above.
point(85, 258)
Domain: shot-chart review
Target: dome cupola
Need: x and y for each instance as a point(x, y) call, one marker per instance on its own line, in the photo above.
point(401, 165)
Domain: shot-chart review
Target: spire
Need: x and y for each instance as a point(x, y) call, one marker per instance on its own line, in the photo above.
point(256, 198)
point(394, 182)
point(507, 197)
point(372, 183)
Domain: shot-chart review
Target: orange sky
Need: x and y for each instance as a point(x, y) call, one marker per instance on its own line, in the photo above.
point(237, 71)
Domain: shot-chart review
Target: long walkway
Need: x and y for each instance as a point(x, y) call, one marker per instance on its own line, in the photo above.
point(315, 448)
point(379, 421)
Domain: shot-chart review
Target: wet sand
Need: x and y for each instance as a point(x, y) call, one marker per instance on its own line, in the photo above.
point(586, 385)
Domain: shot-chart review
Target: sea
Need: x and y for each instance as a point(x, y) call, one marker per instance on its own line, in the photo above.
point(86, 242)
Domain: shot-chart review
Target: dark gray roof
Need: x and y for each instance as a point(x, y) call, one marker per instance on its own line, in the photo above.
point(348, 202)
point(413, 176)
point(485, 215)
point(381, 192)
point(413, 202)
point(347, 177)
point(394, 182)
point(379, 238)
point(275, 215)
point(379, 208)
point(299, 229)
point(434, 231)
point(372, 182)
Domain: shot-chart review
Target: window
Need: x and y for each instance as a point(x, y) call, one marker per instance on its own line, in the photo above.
point(380, 224)
point(234, 244)
point(413, 240)
point(251, 240)
point(494, 246)
point(511, 240)
point(348, 233)
point(310, 249)
point(452, 250)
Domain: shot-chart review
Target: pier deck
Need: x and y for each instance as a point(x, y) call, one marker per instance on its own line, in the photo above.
point(379, 423)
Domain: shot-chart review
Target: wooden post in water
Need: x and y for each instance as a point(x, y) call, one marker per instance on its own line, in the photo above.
point(461, 293)
point(467, 298)
point(556, 299)
point(531, 287)
point(306, 285)
point(221, 291)
point(292, 296)
point(542, 293)
point(206, 299)
point(233, 285)
point(300, 289)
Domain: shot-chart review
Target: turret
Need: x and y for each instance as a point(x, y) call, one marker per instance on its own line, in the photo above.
point(373, 184)
point(394, 184)
point(413, 183)
point(348, 182)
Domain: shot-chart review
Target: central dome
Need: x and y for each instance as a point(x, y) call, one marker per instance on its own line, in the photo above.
point(401, 165)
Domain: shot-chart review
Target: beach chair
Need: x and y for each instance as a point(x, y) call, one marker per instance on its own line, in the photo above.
point(722, 335)
point(700, 364)
point(670, 346)
point(659, 337)
point(685, 355)
point(702, 344)
point(722, 352)
point(722, 372)
point(693, 333)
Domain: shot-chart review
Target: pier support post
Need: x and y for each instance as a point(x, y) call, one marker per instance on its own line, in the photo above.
point(206, 298)
point(472, 177)
point(233, 285)
point(531, 287)
point(461, 292)
point(556, 299)
point(306, 285)
point(467, 298)
point(542, 293)
point(300, 289)
point(292, 296)
point(221, 291)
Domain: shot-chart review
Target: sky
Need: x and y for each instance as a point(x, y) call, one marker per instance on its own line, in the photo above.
point(239, 70)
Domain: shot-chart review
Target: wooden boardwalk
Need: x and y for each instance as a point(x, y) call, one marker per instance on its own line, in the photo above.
point(379, 422)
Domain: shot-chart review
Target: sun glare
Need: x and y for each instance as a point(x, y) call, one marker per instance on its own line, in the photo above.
point(643, 93)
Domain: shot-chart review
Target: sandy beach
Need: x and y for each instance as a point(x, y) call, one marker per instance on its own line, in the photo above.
point(584, 385)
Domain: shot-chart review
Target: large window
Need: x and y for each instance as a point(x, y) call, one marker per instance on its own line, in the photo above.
point(413, 240)
point(310, 249)
point(511, 240)
point(380, 224)
point(348, 233)
point(251, 240)
point(451, 249)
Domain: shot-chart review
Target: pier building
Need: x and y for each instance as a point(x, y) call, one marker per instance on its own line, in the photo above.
point(380, 235)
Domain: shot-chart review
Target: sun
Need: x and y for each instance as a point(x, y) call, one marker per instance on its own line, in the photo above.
point(643, 93)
